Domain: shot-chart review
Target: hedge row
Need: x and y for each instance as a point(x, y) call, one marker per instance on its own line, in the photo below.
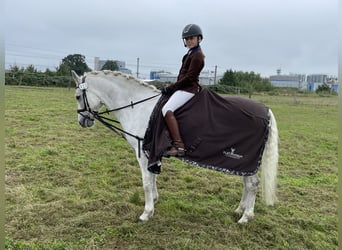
point(38, 79)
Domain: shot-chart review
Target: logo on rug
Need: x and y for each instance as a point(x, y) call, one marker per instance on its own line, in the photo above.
point(232, 154)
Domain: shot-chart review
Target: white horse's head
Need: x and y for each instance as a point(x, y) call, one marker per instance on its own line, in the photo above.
point(87, 101)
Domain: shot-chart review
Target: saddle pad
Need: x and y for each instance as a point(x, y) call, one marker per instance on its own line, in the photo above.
point(224, 134)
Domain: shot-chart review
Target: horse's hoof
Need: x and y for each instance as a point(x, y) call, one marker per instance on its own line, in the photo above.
point(138, 220)
point(243, 221)
point(239, 210)
point(246, 218)
point(143, 218)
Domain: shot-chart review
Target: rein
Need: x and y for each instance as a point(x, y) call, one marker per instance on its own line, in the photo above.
point(129, 105)
point(104, 120)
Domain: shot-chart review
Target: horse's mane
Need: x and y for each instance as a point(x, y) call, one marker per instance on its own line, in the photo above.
point(123, 75)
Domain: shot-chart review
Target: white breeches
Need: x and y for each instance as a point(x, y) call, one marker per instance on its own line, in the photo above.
point(177, 100)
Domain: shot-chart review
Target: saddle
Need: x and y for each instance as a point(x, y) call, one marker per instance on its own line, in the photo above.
point(226, 134)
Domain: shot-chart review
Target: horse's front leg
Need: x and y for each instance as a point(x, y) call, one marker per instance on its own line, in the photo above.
point(155, 194)
point(150, 189)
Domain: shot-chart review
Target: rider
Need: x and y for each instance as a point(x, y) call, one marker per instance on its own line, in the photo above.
point(186, 86)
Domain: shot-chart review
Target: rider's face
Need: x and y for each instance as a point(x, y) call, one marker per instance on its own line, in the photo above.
point(192, 41)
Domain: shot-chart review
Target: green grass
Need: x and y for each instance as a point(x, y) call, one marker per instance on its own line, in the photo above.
point(74, 188)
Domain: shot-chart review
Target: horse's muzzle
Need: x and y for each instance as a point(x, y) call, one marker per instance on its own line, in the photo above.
point(85, 119)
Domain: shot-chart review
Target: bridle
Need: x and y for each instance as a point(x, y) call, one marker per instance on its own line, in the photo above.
point(92, 115)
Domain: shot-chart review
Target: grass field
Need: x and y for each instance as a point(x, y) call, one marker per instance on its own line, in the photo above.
point(74, 188)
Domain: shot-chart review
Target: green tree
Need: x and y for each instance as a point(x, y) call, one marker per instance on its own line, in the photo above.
point(30, 69)
point(242, 82)
point(15, 76)
point(110, 65)
point(74, 62)
point(48, 72)
point(228, 78)
point(323, 88)
point(16, 69)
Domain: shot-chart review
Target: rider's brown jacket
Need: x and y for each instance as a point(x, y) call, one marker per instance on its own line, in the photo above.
point(188, 77)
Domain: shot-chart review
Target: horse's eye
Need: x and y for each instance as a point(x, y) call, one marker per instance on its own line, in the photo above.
point(78, 97)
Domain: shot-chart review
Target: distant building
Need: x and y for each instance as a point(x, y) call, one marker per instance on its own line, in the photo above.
point(332, 81)
point(98, 64)
point(334, 87)
point(162, 76)
point(315, 80)
point(206, 77)
point(305, 82)
point(292, 80)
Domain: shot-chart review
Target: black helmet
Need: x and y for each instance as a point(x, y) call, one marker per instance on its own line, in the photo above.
point(192, 30)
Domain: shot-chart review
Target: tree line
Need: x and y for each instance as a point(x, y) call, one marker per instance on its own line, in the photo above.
point(237, 82)
point(232, 82)
point(61, 77)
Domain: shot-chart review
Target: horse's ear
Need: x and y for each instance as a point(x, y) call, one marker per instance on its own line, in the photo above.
point(76, 78)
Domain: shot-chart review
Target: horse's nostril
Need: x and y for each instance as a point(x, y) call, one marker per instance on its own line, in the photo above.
point(82, 123)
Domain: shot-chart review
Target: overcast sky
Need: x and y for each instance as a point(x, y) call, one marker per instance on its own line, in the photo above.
point(298, 36)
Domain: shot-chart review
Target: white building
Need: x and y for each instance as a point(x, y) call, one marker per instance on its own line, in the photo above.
point(316, 80)
point(305, 82)
point(292, 80)
point(206, 77)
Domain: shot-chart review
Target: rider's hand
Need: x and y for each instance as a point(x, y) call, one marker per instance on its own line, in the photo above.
point(166, 91)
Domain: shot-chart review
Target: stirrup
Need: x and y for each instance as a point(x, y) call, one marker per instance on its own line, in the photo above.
point(176, 151)
point(154, 169)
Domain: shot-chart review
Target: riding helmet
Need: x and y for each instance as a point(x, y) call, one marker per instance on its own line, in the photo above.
point(192, 30)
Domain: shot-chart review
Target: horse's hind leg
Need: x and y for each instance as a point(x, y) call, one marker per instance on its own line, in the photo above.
point(242, 204)
point(248, 198)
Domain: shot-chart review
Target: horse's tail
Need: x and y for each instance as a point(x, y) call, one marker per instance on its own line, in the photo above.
point(269, 164)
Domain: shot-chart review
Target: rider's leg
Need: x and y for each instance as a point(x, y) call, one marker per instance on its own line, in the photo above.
point(178, 146)
point(178, 99)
